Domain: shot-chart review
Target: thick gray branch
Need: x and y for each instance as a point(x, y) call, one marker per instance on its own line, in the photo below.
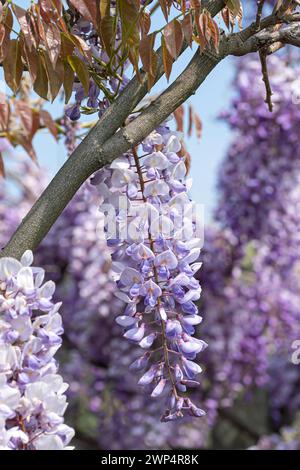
point(82, 163)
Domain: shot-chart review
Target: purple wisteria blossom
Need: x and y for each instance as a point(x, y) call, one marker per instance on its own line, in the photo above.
point(154, 261)
point(32, 394)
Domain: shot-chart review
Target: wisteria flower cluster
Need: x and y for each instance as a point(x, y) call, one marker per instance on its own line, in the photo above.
point(32, 394)
point(155, 263)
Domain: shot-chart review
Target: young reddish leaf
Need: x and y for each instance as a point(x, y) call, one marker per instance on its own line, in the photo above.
point(41, 82)
point(52, 42)
point(12, 65)
point(40, 25)
point(164, 8)
point(226, 17)
point(27, 145)
point(183, 6)
point(2, 33)
point(55, 75)
point(22, 17)
point(145, 22)
point(151, 76)
point(215, 34)
point(7, 22)
point(4, 112)
point(204, 26)
point(196, 4)
point(81, 71)
point(187, 28)
point(87, 9)
point(30, 59)
point(68, 81)
point(2, 171)
point(47, 121)
point(167, 59)
point(174, 38)
point(147, 53)
point(198, 125)
point(25, 114)
point(50, 10)
point(179, 118)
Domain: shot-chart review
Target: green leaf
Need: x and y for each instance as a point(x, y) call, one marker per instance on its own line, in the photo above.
point(81, 71)
point(41, 83)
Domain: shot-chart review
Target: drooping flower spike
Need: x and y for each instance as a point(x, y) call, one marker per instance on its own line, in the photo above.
point(156, 243)
point(32, 399)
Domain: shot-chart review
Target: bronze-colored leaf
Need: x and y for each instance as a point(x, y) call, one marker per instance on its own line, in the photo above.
point(12, 65)
point(24, 22)
point(4, 113)
point(204, 27)
point(174, 38)
point(87, 9)
point(187, 28)
point(67, 45)
point(41, 83)
point(145, 22)
point(52, 42)
point(55, 75)
point(30, 59)
point(47, 121)
point(167, 58)
point(196, 4)
point(215, 34)
point(198, 125)
point(7, 22)
point(164, 8)
point(179, 118)
point(25, 114)
point(147, 53)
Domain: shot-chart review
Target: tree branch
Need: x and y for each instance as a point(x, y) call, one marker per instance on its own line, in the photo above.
point(88, 157)
point(95, 154)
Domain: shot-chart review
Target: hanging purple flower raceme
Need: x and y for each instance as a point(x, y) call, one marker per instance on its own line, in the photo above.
point(32, 399)
point(155, 258)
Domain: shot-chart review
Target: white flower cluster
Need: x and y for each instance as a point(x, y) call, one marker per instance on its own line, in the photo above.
point(32, 400)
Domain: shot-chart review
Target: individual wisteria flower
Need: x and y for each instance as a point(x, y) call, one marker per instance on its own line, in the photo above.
point(156, 247)
point(32, 394)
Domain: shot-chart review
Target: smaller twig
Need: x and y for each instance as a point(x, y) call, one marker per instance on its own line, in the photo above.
point(266, 79)
point(260, 6)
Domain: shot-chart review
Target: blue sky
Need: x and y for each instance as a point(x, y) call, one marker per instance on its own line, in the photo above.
point(212, 97)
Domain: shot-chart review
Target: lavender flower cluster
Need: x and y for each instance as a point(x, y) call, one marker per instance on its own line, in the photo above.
point(155, 263)
point(32, 399)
